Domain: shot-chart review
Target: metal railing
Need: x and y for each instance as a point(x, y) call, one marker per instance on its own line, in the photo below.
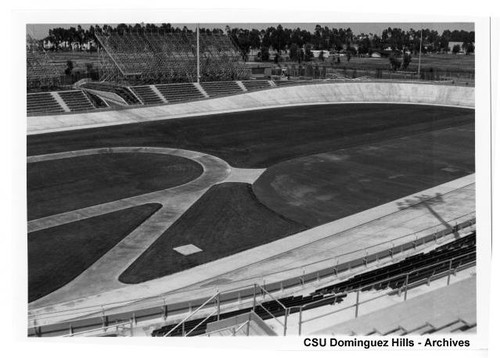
point(400, 290)
point(300, 276)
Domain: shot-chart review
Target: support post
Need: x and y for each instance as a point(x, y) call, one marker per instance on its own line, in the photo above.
point(449, 273)
point(300, 320)
point(198, 53)
point(357, 304)
point(286, 321)
point(218, 306)
point(406, 285)
point(254, 296)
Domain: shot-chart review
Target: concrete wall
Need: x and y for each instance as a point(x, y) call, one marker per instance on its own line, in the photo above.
point(352, 92)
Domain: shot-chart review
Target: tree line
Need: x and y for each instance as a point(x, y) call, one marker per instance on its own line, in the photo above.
point(299, 43)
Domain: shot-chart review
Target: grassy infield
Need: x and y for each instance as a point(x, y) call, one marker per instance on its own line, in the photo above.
point(229, 218)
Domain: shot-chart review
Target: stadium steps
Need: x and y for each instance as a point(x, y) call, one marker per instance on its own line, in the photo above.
point(180, 92)
point(42, 102)
point(76, 101)
point(146, 95)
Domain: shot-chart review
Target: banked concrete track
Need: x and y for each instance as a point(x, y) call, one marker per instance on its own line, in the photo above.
point(355, 92)
point(202, 281)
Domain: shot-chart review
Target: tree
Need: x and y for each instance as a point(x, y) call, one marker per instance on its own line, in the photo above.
point(395, 62)
point(406, 60)
point(321, 56)
point(264, 53)
point(455, 49)
point(69, 67)
point(294, 52)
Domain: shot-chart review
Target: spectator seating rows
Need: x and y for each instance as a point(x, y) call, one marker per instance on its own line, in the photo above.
point(147, 95)
point(215, 89)
point(275, 308)
point(76, 101)
point(336, 293)
point(42, 102)
point(465, 246)
point(180, 92)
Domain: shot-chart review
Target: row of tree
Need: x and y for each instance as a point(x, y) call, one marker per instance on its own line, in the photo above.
point(285, 39)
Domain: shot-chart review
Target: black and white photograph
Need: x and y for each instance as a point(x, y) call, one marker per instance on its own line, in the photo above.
point(321, 181)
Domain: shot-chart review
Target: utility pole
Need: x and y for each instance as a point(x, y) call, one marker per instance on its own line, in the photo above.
point(419, 53)
point(198, 53)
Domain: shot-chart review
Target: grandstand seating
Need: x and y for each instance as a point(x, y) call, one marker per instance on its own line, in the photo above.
point(215, 89)
point(180, 92)
point(169, 57)
point(76, 101)
point(256, 85)
point(42, 102)
point(465, 247)
point(147, 95)
point(274, 307)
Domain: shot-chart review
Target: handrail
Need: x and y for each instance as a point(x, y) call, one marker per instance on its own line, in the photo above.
point(91, 308)
point(104, 328)
point(392, 291)
point(275, 299)
point(203, 321)
point(192, 313)
point(90, 311)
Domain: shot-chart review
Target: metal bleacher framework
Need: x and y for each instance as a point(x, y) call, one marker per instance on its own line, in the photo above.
point(40, 73)
point(153, 57)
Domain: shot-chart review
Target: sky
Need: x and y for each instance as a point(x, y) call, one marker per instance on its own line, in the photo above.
point(39, 31)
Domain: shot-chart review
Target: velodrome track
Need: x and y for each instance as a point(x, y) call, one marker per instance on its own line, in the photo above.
point(283, 258)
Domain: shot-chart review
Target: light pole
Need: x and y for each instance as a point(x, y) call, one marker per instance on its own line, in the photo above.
point(419, 53)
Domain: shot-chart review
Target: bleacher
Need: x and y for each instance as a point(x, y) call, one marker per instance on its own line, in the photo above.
point(274, 307)
point(215, 89)
point(123, 92)
point(256, 85)
point(442, 311)
point(180, 92)
point(147, 95)
point(76, 101)
point(465, 248)
point(42, 102)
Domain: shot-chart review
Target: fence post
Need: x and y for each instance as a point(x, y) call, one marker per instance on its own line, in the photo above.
point(218, 306)
point(357, 304)
point(406, 285)
point(254, 296)
point(286, 322)
point(449, 273)
point(300, 320)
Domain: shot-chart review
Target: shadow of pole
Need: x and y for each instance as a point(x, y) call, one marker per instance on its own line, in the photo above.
point(426, 201)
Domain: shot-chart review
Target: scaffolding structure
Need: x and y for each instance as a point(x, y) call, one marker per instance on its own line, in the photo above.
point(40, 72)
point(147, 58)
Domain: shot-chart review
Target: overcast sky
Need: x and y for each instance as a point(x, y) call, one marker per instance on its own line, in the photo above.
point(40, 31)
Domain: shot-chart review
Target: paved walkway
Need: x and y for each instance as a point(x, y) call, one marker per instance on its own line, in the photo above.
point(321, 247)
point(103, 274)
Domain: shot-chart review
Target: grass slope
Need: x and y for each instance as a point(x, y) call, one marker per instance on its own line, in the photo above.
point(259, 139)
point(57, 186)
point(226, 220)
point(59, 254)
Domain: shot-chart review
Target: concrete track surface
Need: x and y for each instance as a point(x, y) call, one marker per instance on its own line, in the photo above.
point(322, 246)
